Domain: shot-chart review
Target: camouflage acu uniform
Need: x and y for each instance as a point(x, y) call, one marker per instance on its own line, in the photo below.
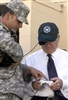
point(11, 78)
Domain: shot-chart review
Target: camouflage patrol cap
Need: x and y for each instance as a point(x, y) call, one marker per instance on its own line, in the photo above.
point(20, 9)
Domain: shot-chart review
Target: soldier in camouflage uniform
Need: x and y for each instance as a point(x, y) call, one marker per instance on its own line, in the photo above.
point(12, 72)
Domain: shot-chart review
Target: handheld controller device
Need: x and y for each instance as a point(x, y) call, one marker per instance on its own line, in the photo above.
point(43, 82)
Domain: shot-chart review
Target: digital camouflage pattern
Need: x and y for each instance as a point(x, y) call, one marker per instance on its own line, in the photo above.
point(9, 97)
point(20, 9)
point(8, 45)
point(11, 78)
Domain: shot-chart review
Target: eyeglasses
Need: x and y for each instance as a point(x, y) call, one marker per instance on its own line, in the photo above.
point(44, 42)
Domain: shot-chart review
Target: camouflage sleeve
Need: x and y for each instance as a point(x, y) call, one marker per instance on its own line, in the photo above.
point(27, 77)
point(9, 46)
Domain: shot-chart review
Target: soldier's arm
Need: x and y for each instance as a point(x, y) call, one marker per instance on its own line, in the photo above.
point(9, 46)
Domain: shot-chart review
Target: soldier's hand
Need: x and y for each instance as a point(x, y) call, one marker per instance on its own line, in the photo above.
point(36, 73)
